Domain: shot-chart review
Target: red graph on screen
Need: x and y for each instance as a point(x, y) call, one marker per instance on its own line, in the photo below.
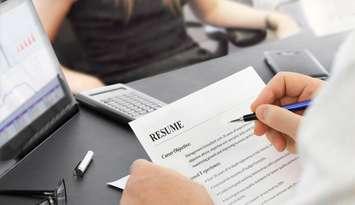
point(26, 43)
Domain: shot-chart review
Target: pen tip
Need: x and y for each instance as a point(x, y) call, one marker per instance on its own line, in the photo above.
point(236, 120)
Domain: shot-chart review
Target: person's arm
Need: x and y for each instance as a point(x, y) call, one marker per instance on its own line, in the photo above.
point(79, 82)
point(52, 14)
point(226, 13)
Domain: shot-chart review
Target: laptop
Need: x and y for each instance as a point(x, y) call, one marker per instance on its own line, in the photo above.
point(34, 97)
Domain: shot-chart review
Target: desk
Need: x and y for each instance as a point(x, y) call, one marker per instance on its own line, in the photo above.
point(114, 145)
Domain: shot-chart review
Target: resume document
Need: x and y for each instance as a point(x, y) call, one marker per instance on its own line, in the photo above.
point(194, 136)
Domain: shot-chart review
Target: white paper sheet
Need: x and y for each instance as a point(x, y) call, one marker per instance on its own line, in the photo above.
point(120, 183)
point(330, 16)
point(235, 166)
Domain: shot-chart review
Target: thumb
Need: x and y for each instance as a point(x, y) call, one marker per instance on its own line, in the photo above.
point(279, 119)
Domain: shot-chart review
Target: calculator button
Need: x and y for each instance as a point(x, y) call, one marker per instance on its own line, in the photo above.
point(140, 106)
point(145, 107)
point(140, 110)
point(129, 113)
point(152, 103)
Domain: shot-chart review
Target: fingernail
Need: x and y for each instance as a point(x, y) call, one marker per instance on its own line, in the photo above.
point(262, 112)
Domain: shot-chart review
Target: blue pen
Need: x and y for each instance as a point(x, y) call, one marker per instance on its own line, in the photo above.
point(291, 107)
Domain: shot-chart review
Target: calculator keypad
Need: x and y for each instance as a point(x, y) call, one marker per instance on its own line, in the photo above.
point(131, 104)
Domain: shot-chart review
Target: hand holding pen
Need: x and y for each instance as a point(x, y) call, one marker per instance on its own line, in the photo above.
point(279, 124)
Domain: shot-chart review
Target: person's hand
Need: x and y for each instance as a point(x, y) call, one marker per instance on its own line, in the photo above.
point(150, 184)
point(282, 25)
point(280, 125)
point(79, 82)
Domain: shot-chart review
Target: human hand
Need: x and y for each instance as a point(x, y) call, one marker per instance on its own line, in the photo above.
point(150, 184)
point(282, 25)
point(79, 82)
point(278, 124)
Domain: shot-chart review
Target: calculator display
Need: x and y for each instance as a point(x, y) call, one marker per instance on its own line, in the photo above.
point(107, 91)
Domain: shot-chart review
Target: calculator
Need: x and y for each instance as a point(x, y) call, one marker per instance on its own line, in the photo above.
point(119, 101)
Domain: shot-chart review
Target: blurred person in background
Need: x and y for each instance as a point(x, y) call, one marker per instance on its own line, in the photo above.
point(126, 40)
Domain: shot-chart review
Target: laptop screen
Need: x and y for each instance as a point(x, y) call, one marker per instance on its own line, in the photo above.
point(33, 95)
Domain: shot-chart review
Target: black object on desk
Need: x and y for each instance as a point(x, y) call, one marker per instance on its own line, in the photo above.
point(245, 37)
point(58, 196)
point(300, 61)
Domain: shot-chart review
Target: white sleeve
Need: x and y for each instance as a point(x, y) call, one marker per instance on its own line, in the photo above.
point(327, 138)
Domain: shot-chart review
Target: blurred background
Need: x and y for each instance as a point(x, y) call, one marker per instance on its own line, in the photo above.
point(70, 52)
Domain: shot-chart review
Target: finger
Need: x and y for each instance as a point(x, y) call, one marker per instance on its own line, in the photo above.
point(284, 84)
point(291, 145)
point(310, 90)
point(145, 168)
point(288, 100)
point(276, 139)
point(266, 96)
point(279, 119)
point(260, 128)
point(141, 166)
